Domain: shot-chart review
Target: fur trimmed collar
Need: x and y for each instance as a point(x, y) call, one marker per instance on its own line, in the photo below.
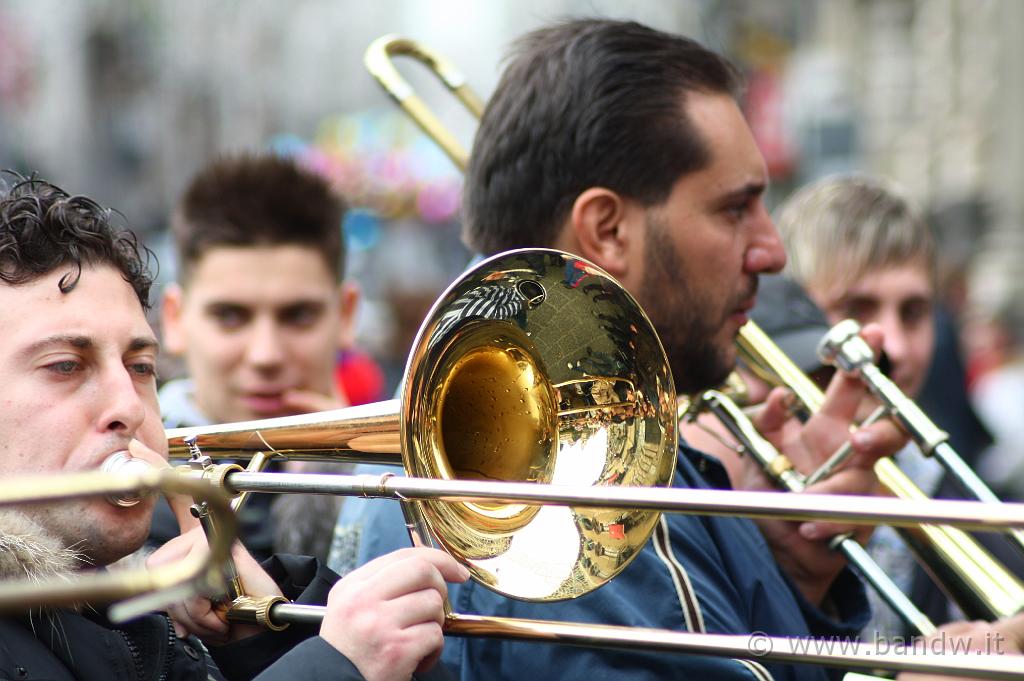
point(27, 551)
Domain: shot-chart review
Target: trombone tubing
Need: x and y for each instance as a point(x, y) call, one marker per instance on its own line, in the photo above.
point(195, 574)
point(758, 646)
point(737, 422)
point(803, 507)
point(843, 347)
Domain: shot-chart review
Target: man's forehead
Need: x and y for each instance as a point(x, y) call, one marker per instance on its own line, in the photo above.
point(734, 159)
point(912, 276)
point(101, 308)
point(254, 275)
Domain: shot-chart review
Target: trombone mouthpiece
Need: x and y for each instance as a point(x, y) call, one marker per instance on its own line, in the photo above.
point(123, 462)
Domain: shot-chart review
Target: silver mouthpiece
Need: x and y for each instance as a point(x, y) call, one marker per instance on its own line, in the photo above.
point(123, 462)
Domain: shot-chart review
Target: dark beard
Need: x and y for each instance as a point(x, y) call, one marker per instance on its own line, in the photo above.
point(684, 323)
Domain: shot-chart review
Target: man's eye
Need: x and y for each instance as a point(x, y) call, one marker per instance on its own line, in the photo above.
point(64, 367)
point(738, 211)
point(145, 369)
point(916, 313)
point(300, 315)
point(229, 317)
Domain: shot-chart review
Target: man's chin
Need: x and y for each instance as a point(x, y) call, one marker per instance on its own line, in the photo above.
point(709, 374)
point(116, 532)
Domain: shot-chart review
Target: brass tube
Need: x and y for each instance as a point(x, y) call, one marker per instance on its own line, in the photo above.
point(854, 509)
point(758, 646)
point(364, 434)
point(377, 60)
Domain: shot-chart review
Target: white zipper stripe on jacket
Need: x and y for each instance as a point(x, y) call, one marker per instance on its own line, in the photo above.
point(684, 589)
point(757, 669)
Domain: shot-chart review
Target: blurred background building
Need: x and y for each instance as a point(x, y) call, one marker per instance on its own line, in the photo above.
point(124, 99)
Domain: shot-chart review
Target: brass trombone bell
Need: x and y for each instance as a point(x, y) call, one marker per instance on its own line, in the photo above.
point(534, 367)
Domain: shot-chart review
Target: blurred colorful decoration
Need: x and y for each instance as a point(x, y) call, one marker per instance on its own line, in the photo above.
point(765, 114)
point(359, 377)
point(383, 164)
point(16, 80)
point(765, 53)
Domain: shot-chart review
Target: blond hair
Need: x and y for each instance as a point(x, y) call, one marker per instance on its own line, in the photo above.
point(840, 228)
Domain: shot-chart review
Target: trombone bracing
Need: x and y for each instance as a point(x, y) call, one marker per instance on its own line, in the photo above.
point(144, 589)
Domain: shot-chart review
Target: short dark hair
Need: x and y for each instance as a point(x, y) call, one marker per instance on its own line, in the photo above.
point(42, 227)
point(585, 103)
point(258, 200)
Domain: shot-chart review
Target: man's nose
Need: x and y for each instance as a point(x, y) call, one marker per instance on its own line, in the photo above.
point(896, 343)
point(123, 409)
point(765, 253)
point(265, 347)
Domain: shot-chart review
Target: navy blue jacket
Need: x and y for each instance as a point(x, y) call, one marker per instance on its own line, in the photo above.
point(711, 574)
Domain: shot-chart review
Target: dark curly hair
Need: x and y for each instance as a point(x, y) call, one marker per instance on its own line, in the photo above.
point(42, 227)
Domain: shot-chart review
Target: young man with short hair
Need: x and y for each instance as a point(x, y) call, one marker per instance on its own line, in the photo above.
point(259, 312)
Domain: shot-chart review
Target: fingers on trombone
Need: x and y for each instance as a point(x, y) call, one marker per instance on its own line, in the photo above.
point(859, 481)
point(776, 410)
point(389, 613)
point(1012, 629)
point(874, 336)
point(418, 570)
point(197, 616)
point(872, 442)
point(179, 503)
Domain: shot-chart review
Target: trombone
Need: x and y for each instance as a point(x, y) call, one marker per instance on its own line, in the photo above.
point(138, 591)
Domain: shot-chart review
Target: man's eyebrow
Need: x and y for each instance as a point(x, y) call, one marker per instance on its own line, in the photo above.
point(749, 190)
point(144, 343)
point(58, 340)
point(86, 343)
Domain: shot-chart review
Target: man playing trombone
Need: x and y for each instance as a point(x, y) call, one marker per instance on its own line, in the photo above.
point(626, 146)
point(77, 368)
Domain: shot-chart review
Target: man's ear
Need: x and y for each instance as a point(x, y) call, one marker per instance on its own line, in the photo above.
point(172, 327)
point(601, 231)
point(349, 295)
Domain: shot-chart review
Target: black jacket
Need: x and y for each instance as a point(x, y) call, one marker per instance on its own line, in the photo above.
point(62, 645)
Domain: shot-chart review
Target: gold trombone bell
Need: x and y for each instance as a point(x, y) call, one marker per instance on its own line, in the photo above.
point(535, 366)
